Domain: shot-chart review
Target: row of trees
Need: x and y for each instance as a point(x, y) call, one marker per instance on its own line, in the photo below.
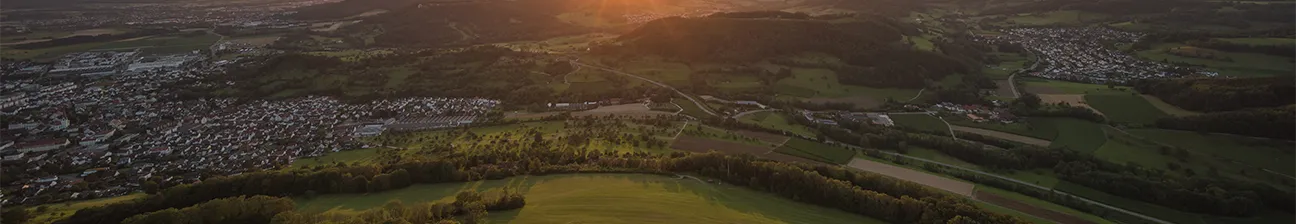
point(1211, 195)
point(242, 209)
point(1221, 94)
point(1274, 122)
point(869, 194)
point(469, 207)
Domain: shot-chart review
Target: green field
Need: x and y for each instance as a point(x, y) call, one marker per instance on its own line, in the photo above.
point(690, 108)
point(1065, 17)
point(937, 156)
point(609, 198)
point(54, 212)
point(1272, 41)
point(1079, 135)
point(705, 131)
point(1040, 203)
point(487, 137)
point(822, 83)
point(1009, 63)
point(150, 45)
point(1159, 212)
point(1041, 177)
point(816, 151)
point(1241, 64)
point(1167, 108)
point(1041, 128)
point(777, 121)
point(1125, 108)
point(920, 122)
point(1044, 86)
point(1274, 155)
point(347, 156)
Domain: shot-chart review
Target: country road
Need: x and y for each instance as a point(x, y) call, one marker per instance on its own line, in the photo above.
point(1012, 83)
point(1086, 200)
point(681, 93)
point(736, 116)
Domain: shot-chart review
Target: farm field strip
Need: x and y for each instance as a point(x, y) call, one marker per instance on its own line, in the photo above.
point(1004, 136)
point(938, 182)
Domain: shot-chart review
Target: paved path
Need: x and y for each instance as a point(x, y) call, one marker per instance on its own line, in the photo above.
point(681, 93)
point(920, 91)
point(947, 125)
point(1091, 202)
point(1011, 78)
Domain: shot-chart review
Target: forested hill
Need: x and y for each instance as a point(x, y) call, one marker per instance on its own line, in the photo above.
point(1222, 94)
point(872, 48)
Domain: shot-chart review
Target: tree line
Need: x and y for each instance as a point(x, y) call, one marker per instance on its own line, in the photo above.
point(1199, 194)
point(1276, 122)
point(1221, 94)
point(869, 194)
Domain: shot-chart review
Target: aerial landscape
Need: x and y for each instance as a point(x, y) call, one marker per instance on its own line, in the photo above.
point(648, 111)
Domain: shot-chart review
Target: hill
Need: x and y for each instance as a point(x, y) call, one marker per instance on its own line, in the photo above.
point(872, 50)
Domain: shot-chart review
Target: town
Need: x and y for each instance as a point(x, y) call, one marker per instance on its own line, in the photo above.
point(1079, 54)
point(97, 124)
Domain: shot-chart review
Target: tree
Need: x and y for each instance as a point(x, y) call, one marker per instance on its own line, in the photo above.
point(150, 187)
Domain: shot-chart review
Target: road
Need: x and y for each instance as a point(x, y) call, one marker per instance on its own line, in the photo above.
point(681, 93)
point(1012, 83)
point(925, 89)
point(1149, 218)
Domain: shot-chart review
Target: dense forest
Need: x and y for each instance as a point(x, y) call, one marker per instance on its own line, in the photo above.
point(871, 48)
point(869, 194)
point(1221, 94)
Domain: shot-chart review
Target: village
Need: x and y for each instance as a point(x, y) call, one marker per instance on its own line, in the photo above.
point(1079, 54)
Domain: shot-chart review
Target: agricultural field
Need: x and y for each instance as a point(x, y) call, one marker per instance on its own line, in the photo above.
point(489, 136)
point(608, 198)
point(914, 175)
point(346, 156)
point(1271, 41)
point(1010, 62)
point(149, 45)
point(54, 212)
point(1079, 135)
point(1002, 135)
point(776, 121)
point(821, 86)
point(705, 131)
point(1058, 212)
point(816, 151)
point(1040, 128)
point(1125, 108)
point(1155, 211)
point(1065, 17)
point(1231, 64)
point(937, 156)
point(351, 55)
point(1274, 155)
point(690, 108)
point(256, 40)
point(1044, 86)
point(921, 122)
point(1172, 110)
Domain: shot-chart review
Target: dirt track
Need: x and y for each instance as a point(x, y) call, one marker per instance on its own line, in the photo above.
point(1029, 209)
point(1003, 135)
point(939, 182)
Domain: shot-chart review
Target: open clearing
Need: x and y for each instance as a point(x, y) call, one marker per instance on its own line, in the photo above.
point(1167, 108)
point(1079, 135)
point(347, 156)
point(1004, 135)
point(1125, 108)
point(62, 210)
point(608, 198)
point(1073, 99)
point(703, 145)
point(764, 137)
point(634, 109)
point(943, 183)
point(921, 122)
point(1044, 86)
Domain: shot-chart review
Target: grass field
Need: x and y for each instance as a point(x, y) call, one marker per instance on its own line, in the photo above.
point(1044, 86)
point(610, 198)
point(1041, 177)
point(1065, 17)
point(1040, 128)
point(1272, 41)
point(1041, 203)
point(1079, 135)
point(937, 156)
point(1011, 62)
point(151, 45)
point(816, 151)
point(1128, 204)
point(54, 212)
point(1167, 108)
point(920, 122)
point(777, 121)
point(1269, 154)
point(1125, 108)
point(690, 108)
point(822, 84)
point(348, 156)
point(1242, 64)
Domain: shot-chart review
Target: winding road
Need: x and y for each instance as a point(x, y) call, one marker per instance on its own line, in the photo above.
point(681, 93)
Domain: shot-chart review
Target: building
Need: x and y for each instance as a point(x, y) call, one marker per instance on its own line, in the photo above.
point(13, 100)
point(42, 145)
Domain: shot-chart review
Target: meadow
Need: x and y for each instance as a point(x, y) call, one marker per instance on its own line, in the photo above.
point(1041, 128)
point(608, 198)
point(1260, 40)
point(816, 151)
point(1079, 135)
point(1274, 155)
point(1240, 64)
point(149, 45)
point(1064, 17)
point(345, 156)
point(921, 122)
point(1041, 203)
point(55, 212)
point(1125, 108)
point(1045, 86)
point(776, 121)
